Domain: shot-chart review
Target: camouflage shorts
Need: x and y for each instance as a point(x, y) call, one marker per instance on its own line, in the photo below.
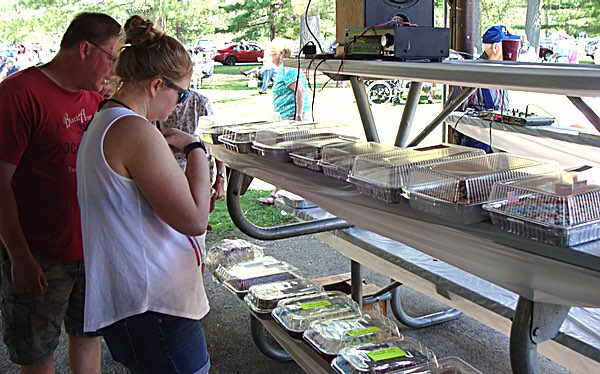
point(31, 323)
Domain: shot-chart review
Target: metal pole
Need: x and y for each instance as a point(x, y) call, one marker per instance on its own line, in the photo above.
point(449, 108)
point(364, 109)
point(414, 93)
point(586, 111)
point(356, 282)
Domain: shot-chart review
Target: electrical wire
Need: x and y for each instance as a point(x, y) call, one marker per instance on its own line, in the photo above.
point(308, 27)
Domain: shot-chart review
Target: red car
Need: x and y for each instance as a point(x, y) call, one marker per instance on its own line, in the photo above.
point(239, 52)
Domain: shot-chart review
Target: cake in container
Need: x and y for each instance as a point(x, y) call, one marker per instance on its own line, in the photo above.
point(383, 175)
point(329, 336)
point(456, 190)
point(239, 138)
point(399, 355)
point(229, 252)
point(211, 127)
point(307, 153)
point(446, 365)
point(561, 209)
point(263, 298)
point(337, 159)
point(296, 314)
point(240, 277)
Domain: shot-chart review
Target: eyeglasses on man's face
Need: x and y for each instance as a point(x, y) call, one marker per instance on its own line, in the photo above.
point(182, 95)
point(112, 58)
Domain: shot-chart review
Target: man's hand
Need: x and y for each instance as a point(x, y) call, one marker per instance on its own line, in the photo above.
point(28, 276)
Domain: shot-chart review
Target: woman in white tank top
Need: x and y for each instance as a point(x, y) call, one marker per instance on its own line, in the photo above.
point(140, 212)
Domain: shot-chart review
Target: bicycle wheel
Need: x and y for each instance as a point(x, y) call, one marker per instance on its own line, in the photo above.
point(379, 92)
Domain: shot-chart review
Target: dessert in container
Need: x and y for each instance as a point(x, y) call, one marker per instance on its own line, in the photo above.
point(383, 175)
point(398, 355)
point(446, 365)
point(296, 314)
point(456, 190)
point(560, 209)
point(229, 252)
point(293, 200)
point(239, 138)
point(337, 159)
point(329, 336)
point(210, 127)
point(307, 153)
point(240, 277)
point(262, 299)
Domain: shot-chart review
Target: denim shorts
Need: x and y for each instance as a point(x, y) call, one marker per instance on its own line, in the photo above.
point(31, 323)
point(158, 343)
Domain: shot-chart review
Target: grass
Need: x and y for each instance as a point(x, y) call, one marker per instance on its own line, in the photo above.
point(257, 213)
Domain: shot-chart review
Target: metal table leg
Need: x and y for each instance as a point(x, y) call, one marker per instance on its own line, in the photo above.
point(423, 321)
point(533, 323)
point(234, 188)
point(259, 335)
point(356, 282)
point(364, 109)
point(412, 101)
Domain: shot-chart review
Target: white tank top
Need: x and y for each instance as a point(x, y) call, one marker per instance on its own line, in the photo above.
point(134, 261)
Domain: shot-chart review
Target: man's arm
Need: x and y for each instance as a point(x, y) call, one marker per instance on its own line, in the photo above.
point(27, 275)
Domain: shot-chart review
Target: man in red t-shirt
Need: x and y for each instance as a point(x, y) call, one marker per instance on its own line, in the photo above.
point(44, 113)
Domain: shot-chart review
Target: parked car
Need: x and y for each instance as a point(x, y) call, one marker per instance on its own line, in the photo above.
point(239, 52)
point(592, 49)
point(205, 45)
point(546, 49)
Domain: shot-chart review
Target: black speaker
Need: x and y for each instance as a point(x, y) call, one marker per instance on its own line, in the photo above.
point(417, 12)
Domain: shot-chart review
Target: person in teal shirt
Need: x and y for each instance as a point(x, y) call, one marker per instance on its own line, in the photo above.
point(290, 91)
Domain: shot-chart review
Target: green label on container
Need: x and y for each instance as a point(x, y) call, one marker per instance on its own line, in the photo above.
point(315, 304)
point(386, 354)
point(361, 332)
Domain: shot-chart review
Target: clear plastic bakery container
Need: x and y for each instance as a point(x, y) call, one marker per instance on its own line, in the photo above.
point(293, 200)
point(456, 190)
point(263, 298)
point(398, 355)
point(329, 336)
point(336, 160)
point(240, 277)
point(307, 153)
point(296, 314)
point(229, 252)
point(290, 141)
point(239, 139)
point(210, 127)
point(383, 175)
point(446, 365)
point(561, 209)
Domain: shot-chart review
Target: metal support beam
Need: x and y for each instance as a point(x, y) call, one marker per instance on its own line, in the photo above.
point(364, 109)
point(423, 321)
point(412, 100)
point(586, 111)
point(236, 179)
point(449, 108)
point(533, 323)
point(356, 282)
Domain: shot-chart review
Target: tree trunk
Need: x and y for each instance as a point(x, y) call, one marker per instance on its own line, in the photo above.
point(466, 26)
point(533, 22)
point(315, 27)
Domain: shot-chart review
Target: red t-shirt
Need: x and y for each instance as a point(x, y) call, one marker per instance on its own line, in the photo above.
point(41, 125)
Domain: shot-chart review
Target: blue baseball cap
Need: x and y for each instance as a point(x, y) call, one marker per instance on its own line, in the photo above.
point(498, 33)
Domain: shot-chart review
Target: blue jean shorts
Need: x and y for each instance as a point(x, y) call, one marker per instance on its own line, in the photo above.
point(158, 343)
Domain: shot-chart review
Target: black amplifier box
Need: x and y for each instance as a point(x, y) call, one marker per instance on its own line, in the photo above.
point(398, 42)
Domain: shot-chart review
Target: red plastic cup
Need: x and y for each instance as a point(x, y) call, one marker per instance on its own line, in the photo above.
point(510, 49)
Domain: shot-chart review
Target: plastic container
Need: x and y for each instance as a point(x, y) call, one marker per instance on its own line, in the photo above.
point(456, 190)
point(263, 298)
point(240, 277)
point(307, 154)
point(238, 139)
point(229, 252)
point(392, 356)
point(293, 200)
point(210, 127)
point(329, 336)
point(280, 151)
point(446, 365)
point(337, 160)
point(296, 314)
point(561, 209)
point(383, 175)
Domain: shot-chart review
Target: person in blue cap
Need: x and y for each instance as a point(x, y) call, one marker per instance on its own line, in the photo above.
point(487, 98)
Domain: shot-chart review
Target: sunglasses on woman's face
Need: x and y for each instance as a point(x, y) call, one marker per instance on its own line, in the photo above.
point(182, 95)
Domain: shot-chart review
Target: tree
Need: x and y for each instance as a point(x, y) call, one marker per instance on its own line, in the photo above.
point(533, 22)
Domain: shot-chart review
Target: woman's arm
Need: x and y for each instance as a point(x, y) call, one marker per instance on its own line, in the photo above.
point(135, 149)
point(299, 90)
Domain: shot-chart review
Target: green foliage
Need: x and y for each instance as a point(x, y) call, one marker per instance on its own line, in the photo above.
point(257, 213)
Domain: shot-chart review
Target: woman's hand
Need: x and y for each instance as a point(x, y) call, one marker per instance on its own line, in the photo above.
point(178, 139)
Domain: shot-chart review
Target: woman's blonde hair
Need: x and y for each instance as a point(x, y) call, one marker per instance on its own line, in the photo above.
point(148, 53)
point(282, 45)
